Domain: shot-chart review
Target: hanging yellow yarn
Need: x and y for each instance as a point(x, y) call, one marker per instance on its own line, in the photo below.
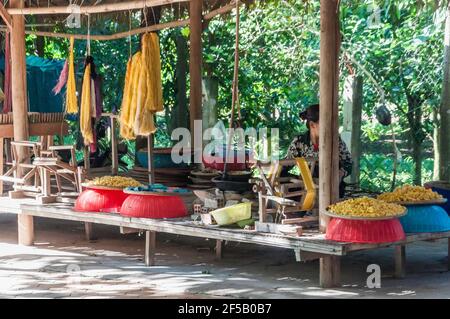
point(85, 109)
point(142, 96)
point(129, 100)
point(125, 131)
point(71, 90)
point(149, 88)
point(154, 100)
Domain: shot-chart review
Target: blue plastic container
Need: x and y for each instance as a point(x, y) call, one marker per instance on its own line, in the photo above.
point(442, 188)
point(161, 159)
point(425, 219)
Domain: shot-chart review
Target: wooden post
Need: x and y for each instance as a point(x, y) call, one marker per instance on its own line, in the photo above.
point(448, 254)
point(329, 126)
point(150, 246)
point(88, 231)
point(400, 261)
point(330, 271)
point(2, 162)
point(219, 249)
point(20, 109)
point(87, 160)
point(195, 65)
point(114, 154)
point(151, 170)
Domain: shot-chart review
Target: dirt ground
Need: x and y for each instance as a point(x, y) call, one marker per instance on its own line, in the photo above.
point(63, 264)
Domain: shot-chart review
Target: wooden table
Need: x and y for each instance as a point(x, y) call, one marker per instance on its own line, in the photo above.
point(312, 245)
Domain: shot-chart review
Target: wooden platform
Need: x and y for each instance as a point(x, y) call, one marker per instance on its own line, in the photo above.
point(312, 245)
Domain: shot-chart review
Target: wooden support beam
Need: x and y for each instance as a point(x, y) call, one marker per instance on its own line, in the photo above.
point(121, 35)
point(101, 8)
point(114, 151)
point(330, 270)
point(150, 247)
point(20, 109)
point(195, 64)
point(150, 164)
point(400, 261)
point(219, 249)
point(448, 254)
point(88, 231)
point(2, 162)
point(5, 16)
point(329, 126)
point(108, 37)
point(25, 230)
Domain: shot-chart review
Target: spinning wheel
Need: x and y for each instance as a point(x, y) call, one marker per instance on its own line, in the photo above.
point(289, 194)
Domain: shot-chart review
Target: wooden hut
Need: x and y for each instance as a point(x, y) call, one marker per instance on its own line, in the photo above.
point(199, 12)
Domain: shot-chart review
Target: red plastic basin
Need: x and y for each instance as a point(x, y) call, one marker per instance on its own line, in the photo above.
point(153, 206)
point(365, 231)
point(96, 200)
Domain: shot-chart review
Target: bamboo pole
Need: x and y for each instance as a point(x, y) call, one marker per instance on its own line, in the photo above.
point(120, 35)
point(329, 133)
point(108, 37)
point(19, 103)
point(195, 67)
point(102, 8)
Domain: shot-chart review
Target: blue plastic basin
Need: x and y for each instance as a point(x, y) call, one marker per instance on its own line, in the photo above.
point(442, 188)
point(425, 219)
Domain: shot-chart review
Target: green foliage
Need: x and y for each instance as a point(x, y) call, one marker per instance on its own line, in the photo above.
point(279, 70)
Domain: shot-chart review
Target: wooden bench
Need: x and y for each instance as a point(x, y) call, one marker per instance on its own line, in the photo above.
point(310, 246)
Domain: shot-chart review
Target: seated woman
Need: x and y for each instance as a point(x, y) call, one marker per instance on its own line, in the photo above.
point(307, 145)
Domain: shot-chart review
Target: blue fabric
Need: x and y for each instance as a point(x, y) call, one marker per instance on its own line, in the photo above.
point(42, 76)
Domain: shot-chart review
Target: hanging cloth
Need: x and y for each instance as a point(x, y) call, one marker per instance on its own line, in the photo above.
point(71, 92)
point(62, 81)
point(85, 108)
point(7, 103)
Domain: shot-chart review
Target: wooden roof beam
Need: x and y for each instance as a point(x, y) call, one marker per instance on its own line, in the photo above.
point(107, 37)
point(101, 8)
point(5, 16)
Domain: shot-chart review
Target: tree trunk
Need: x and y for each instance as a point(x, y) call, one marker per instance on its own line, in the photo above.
point(436, 144)
point(210, 95)
point(181, 118)
point(40, 46)
point(357, 101)
point(417, 157)
point(444, 132)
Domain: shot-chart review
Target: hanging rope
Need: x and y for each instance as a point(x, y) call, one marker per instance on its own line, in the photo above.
point(129, 36)
point(145, 15)
point(235, 94)
point(88, 45)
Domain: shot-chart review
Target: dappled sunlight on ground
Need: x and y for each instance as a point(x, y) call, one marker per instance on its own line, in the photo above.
point(64, 265)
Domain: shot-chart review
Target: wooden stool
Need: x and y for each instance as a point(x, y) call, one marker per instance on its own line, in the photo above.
point(21, 172)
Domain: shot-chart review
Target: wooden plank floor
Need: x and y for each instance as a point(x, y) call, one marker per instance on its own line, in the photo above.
point(309, 242)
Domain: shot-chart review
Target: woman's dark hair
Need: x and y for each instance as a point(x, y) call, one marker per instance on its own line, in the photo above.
point(311, 114)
